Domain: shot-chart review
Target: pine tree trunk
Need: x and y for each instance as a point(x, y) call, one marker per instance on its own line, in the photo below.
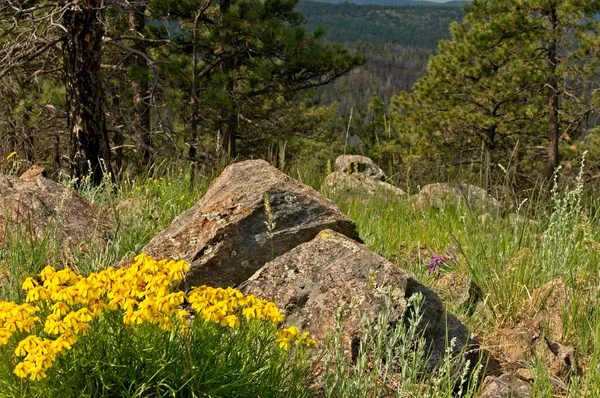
point(228, 122)
point(195, 119)
point(119, 137)
point(553, 99)
point(82, 53)
point(141, 87)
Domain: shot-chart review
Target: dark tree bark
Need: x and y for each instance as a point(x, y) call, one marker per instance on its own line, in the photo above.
point(118, 137)
point(141, 87)
point(28, 141)
point(82, 54)
point(228, 116)
point(553, 98)
point(195, 122)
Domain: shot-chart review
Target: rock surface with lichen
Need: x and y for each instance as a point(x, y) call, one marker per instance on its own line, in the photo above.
point(251, 214)
point(312, 281)
point(342, 183)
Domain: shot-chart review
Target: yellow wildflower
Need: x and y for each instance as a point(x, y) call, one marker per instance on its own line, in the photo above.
point(230, 320)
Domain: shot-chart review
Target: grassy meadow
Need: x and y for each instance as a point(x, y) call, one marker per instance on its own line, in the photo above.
point(508, 257)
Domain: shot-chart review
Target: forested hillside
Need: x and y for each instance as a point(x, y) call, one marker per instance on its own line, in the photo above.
point(414, 26)
point(457, 3)
point(397, 41)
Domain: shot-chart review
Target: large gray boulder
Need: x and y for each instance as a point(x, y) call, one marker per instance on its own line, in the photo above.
point(356, 164)
point(229, 234)
point(312, 281)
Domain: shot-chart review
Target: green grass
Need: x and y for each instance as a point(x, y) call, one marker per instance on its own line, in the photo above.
point(555, 238)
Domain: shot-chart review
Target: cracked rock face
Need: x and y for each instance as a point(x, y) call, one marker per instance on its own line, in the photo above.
point(312, 281)
point(228, 234)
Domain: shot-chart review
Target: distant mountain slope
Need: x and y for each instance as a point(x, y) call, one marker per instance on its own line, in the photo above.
point(454, 3)
point(396, 40)
point(414, 25)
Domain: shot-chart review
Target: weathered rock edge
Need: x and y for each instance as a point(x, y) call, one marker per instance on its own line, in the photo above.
point(226, 235)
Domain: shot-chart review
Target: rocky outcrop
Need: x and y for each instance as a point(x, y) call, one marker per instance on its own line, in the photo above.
point(356, 164)
point(312, 281)
point(251, 214)
point(32, 172)
point(440, 194)
point(539, 335)
point(36, 206)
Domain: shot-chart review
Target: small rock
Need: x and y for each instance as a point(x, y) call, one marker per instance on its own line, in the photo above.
point(561, 361)
point(340, 182)
point(231, 232)
point(505, 386)
point(355, 164)
point(459, 290)
point(37, 206)
point(440, 194)
point(525, 374)
point(32, 172)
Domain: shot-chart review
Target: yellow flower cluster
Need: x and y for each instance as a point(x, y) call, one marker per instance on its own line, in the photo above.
point(225, 306)
point(287, 336)
point(14, 317)
point(141, 292)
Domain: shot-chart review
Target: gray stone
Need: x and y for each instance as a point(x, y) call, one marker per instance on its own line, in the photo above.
point(37, 207)
point(440, 194)
point(356, 164)
point(312, 281)
point(342, 183)
point(228, 234)
point(505, 386)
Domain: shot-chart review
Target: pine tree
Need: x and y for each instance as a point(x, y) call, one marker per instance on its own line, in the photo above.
point(503, 76)
point(247, 59)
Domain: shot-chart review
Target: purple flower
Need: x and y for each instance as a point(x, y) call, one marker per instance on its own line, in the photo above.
point(438, 260)
point(451, 254)
point(435, 263)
